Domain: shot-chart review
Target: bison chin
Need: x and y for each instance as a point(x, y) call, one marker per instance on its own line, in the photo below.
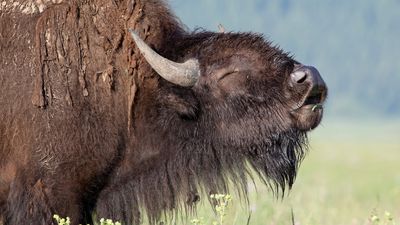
point(308, 117)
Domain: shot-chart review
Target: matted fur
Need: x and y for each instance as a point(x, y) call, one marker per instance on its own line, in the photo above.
point(88, 127)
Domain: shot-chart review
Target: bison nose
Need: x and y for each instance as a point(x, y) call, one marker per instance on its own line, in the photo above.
point(306, 75)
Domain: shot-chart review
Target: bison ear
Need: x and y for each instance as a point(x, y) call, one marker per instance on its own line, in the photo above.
point(184, 104)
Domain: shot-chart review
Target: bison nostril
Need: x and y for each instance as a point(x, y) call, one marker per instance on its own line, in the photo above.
point(299, 77)
point(302, 79)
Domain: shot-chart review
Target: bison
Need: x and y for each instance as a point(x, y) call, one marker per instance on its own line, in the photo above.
point(114, 108)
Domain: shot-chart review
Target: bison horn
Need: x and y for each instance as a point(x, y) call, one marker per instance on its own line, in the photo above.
point(184, 74)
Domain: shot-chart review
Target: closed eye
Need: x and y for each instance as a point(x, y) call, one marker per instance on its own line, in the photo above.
point(228, 73)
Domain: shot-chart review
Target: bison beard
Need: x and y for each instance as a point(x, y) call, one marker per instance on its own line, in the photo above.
point(88, 126)
point(177, 182)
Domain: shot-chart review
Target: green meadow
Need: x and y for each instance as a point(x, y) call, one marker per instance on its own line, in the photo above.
point(351, 175)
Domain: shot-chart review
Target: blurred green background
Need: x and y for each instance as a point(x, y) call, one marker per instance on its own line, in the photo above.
point(352, 170)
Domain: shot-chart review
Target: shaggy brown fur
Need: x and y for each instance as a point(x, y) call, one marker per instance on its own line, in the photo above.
point(88, 127)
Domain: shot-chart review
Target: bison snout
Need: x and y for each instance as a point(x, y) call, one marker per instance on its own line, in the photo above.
point(308, 83)
point(308, 78)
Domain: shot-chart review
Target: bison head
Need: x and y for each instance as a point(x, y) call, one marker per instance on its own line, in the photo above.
point(243, 100)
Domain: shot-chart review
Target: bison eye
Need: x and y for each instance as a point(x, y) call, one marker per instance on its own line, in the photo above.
point(227, 73)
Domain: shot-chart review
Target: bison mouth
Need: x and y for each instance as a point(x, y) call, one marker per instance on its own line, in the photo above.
point(309, 115)
point(315, 99)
